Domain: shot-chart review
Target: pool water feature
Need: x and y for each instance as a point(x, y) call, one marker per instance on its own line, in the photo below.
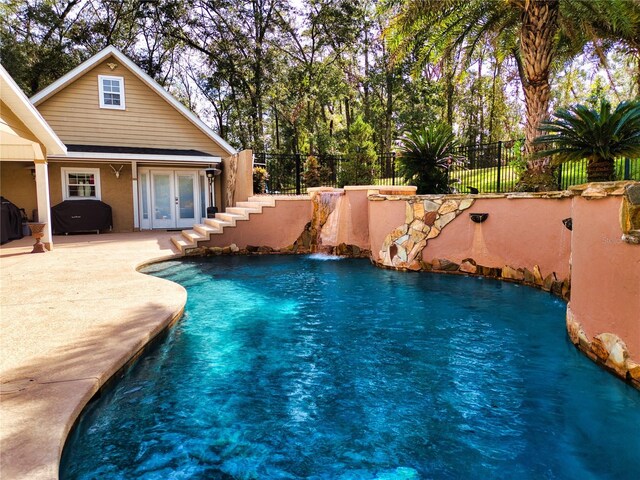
point(299, 367)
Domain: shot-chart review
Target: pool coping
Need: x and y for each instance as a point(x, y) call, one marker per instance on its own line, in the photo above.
point(66, 334)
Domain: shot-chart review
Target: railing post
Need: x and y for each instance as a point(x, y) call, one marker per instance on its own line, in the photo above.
point(560, 177)
point(499, 165)
point(393, 168)
point(298, 170)
point(627, 169)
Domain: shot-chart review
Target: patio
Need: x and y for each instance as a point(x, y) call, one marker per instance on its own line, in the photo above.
point(69, 320)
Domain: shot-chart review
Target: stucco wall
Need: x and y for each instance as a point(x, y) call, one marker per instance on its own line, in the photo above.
point(605, 273)
point(276, 227)
point(116, 192)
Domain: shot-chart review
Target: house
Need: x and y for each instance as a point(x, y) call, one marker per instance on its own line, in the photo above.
point(25, 142)
point(130, 144)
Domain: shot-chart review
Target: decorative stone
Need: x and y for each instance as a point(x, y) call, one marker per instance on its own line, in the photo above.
point(573, 329)
point(537, 276)
point(415, 266)
point(594, 191)
point(599, 350)
point(633, 369)
point(234, 248)
point(566, 288)
point(408, 213)
point(417, 225)
point(417, 249)
point(447, 207)
point(226, 250)
point(402, 254)
point(251, 248)
point(528, 276)
point(556, 289)
point(441, 222)
point(429, 218)
point(444, 265)
point(418, 210)
point(265, 249)
point(512, 274)
point(489, 271)
point(466, 203)
point(398, 232)
point(216, 250)
point(433, 233)
point(468, 265)
point(401, 240)
point(548, 282)
point(430, 206)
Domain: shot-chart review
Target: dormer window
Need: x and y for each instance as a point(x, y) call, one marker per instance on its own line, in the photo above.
point(111, 92)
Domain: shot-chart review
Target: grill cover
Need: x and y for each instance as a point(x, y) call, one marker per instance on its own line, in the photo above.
point(10, 221)
point(73, 216)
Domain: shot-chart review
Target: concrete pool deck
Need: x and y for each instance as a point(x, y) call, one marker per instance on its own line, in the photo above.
point(69, 320)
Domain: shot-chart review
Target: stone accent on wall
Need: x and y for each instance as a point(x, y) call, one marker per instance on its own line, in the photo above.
point(424, 220)
point(606, 349)
point(630, 214)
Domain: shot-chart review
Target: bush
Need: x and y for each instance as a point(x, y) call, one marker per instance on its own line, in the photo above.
point(260, 178)
point(312, 172)
point(426, 155)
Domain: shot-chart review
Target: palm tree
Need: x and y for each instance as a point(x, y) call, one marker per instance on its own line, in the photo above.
point(599, 135)
point(426, 155)
point(526, 29)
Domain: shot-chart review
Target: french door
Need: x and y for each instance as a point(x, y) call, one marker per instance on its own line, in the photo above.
point(174, 199)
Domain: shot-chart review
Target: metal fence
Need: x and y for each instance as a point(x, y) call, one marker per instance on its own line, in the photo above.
point(287, 171)
point(484, 168)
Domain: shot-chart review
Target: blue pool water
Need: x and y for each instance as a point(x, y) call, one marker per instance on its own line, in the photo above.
point(296, 367)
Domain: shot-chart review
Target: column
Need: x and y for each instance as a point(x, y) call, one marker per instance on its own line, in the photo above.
point(43, 201)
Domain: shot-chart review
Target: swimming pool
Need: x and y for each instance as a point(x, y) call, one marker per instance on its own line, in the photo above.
point(306, 367)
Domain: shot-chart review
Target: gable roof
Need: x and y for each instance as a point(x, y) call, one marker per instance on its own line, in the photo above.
point(19, 104)
point(81, 69)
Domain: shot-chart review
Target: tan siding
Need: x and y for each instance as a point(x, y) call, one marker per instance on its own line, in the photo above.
point(116, 192)
point(18, 186)
point(75, 115)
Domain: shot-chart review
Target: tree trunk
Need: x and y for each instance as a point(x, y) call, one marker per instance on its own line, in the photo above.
point(539, 25)
point(600, 169)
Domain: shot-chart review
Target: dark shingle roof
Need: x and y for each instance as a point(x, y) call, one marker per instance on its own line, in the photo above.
point(135, 150)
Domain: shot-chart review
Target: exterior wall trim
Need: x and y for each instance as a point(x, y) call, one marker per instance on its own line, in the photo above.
point(136, 157)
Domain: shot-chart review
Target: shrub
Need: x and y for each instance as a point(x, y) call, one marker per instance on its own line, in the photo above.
point(260, 178)
point(359, 167)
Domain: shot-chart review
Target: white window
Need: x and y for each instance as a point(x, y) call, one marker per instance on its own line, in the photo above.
point(111, 92)
point(80, 183)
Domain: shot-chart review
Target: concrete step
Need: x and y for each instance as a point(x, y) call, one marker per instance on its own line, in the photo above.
point(231, 218)
point(194, 237)
point(267, 200)
point(257, 205)
point(207, 230)
point(182, 243)
point(244, 211)
point(216, 223)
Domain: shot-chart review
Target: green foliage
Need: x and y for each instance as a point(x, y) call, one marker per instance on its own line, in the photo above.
point(518, 162)
point(260, 178)
point(312, 172)
point(426, 155)
point(599, 135)
point(359, 166)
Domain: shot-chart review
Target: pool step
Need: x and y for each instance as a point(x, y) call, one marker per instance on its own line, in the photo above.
point(201, 232)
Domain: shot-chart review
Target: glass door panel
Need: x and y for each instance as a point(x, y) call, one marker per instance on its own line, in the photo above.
point(186, 207)
point(162, 199)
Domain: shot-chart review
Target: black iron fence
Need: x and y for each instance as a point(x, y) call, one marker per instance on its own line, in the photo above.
point(485, 168)
point(290, 173)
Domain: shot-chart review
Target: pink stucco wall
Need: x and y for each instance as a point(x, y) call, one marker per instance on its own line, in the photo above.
point(605, 276)
point(276, 227)
point(519, 232)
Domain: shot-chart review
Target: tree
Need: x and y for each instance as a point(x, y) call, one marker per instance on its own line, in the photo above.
point(426, 155)
point(527, 29)
point(599, 135)
point(359, 168)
